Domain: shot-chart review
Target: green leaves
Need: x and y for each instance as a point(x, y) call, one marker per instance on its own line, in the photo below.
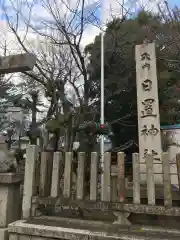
point(94, 128)
point(53, 125)
point(58, 124)
point(120, 72)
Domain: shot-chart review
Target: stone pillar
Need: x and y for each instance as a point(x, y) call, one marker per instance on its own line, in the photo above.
point(29, 190)
point(148, 110)
point(10, 201)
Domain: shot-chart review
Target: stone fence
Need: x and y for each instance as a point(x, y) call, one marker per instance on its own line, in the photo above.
point(54, 182)
point(43, 188)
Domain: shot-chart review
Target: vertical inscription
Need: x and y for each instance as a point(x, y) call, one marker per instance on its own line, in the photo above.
point(147, 85)
point(147, 102)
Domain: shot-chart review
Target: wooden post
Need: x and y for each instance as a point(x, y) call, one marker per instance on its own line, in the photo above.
point(166, 180)
point(37, 172)
point(150, 180)
point(178, 167)
point(122, 217)
point(29, 177)
point(49, 172)
point(106, 196)
point(45, 174)
point(114, 184)
point(55, 183)
point(136, 178)
point(121, 176)
point(80, 176)
point(67, 175)
point(94, 176)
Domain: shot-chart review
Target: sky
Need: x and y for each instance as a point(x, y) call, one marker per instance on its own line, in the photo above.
point(110, 8)
point(104, 10)
point(114, 8)
point(39, 13)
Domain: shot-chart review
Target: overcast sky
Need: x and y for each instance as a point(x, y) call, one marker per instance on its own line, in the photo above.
point(110, 8)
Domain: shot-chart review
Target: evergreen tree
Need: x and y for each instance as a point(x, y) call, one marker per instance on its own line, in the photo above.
point(120, 40)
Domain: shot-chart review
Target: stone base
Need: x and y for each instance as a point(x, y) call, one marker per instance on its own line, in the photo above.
point(10, 199)
point(4, 234)
point(122, 218)
point(72, 229)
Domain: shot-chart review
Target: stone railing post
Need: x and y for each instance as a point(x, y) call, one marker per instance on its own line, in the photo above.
point(32, 154)
point(10, 201)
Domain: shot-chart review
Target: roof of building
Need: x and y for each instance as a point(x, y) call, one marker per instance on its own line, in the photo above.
point(174, 126)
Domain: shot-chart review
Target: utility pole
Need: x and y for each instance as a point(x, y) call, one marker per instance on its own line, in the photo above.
point(102, 95)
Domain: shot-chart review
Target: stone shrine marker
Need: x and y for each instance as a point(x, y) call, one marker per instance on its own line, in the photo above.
point(148, 106)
